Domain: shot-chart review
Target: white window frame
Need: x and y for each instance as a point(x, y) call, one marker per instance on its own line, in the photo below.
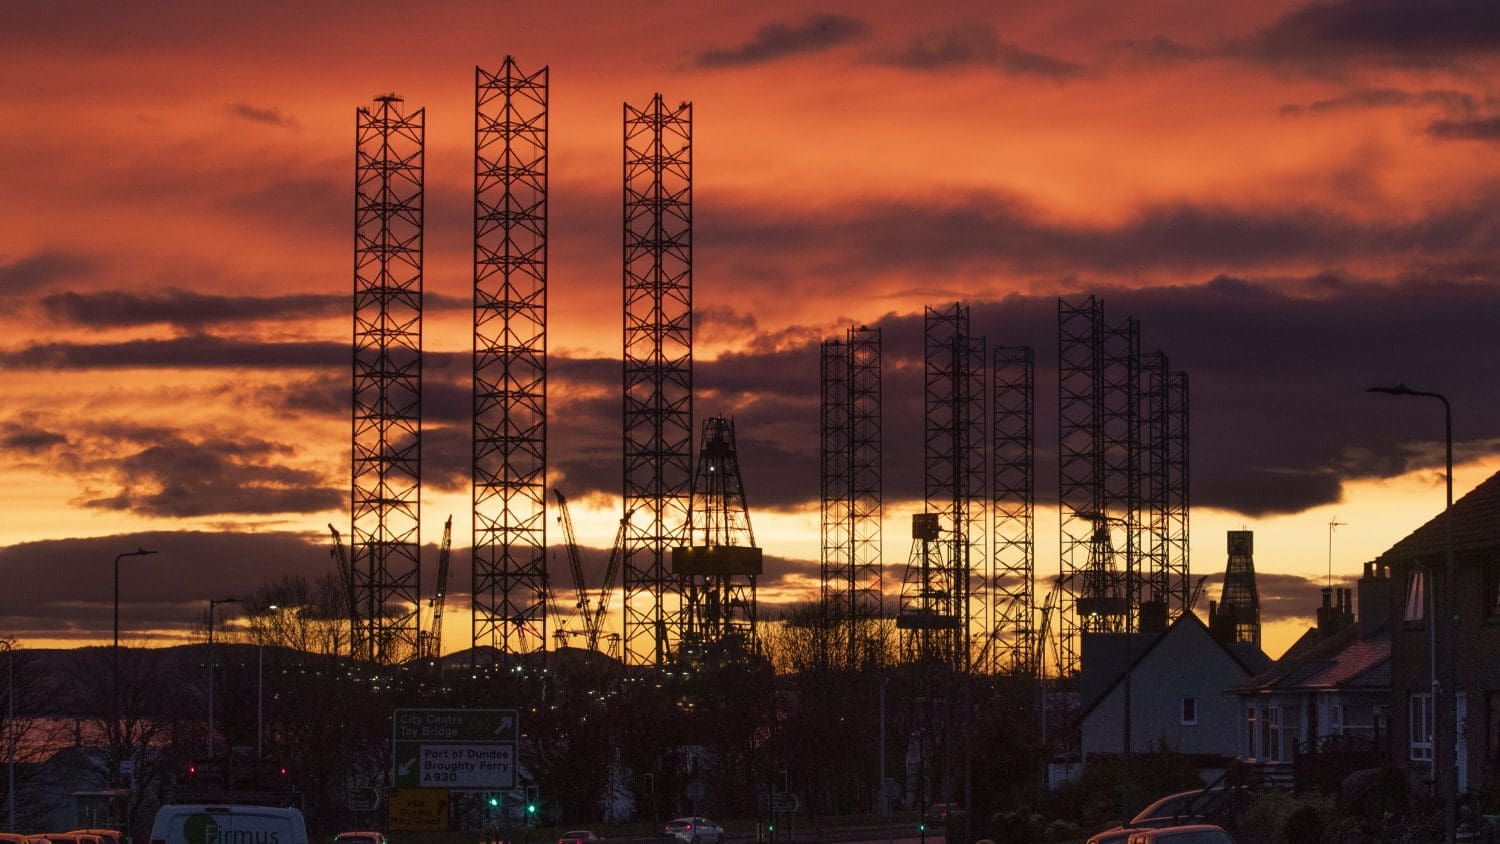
point(1419, 726)
point(1416, 596)
point(1252, 737)
point(1272, 727)
point(1182, 710)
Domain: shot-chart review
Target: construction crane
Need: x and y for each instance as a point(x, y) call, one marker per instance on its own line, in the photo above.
point(594, 625)
point(346, 577)
point(431, 642)
point(575, 563)
point(1048, 605)
point(1197, 593)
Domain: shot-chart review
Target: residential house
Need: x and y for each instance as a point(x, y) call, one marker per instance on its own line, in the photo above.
point(1175, 682)
point(1333, 682)
point(1418, 565)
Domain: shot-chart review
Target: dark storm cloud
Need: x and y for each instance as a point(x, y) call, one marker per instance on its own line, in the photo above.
point(773, 41)
point(996, 232)
point(173, 476)
point(1413, 33)
point(184, 308)
point(23, 437)
point(162, 591)
point(197, 351)
point(1363, 99)
point(1486, 129)
point(1283, 597)
point(447, 457)
point(976, 45)
point(38, 271)
point(256, 114)
point(1159, 51)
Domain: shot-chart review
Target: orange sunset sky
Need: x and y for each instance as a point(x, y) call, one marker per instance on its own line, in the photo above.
point(1297, 201)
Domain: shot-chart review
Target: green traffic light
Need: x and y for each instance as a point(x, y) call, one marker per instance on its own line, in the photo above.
point(494, 801)
point(531, 807)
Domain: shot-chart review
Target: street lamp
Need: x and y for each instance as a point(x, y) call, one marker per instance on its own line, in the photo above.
point(213, 603)
point(1450, 672)
point(115, 650)
point(260, 686)
point(10, 734)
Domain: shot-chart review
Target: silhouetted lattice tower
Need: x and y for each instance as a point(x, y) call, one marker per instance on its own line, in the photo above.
point(1162, 546)
point(510, 359)
point(658, 371)
point(1236, 618)
point(852, 507)
point(1098, 474)
point(1012, 591)
point(385, 540)
point(956, 493)
point(720, 563)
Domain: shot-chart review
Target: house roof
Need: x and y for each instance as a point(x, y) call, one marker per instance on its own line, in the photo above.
point(1243, 657)
point(1476, 525)
point(1344, 660)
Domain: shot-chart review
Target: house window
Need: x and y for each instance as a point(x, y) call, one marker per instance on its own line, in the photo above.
point(1420, 726)
point(1416, 595)
point(1271, 734)
point(1492, 725)
point(1250, 731)
point(1338, 719)
point(1189, 710)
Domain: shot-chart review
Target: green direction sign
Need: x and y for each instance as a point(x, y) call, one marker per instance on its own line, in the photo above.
point(455, 749)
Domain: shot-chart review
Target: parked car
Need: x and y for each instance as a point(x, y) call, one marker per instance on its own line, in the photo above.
point(359, 838)
point(1200, 833)
point(107, 836)
point(1215, 804)
point(18, 838)
point(938, 814)
point(578, 836)
point(695, 830)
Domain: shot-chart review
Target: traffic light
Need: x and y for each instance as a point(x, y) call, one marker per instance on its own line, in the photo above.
point(494, 801)
point(530, 808)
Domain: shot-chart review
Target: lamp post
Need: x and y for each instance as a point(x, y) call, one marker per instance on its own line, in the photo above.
point(213, 604)
point(10, 735)
point(114, 679)
point(260, 687)
point(1449, 724)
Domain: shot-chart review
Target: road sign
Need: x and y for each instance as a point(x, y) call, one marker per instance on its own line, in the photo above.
point(419, 810)
point(454, 749)
point(361, 799)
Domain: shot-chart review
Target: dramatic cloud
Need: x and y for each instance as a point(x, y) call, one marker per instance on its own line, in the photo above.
point(773, 41)
point(198, 351)
point(976, 45)
point(1453, 102)
point(39, 271)
point(1413, 33)
point(1487, 129)
point(271, 115)
point(170, 475)
point(184, 308)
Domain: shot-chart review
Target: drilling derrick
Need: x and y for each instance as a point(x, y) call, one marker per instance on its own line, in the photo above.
point(720, 563)
point(1013, 580)
point(1236, 617)
point(510, 360)
point(943, 595)
point(1175, 494)
point(658, 371)
point(385, 499)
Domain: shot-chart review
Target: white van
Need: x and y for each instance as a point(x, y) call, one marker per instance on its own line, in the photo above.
point(207, 824)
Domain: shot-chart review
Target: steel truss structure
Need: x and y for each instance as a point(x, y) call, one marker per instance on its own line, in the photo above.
point(852, 575)
point(1164, 492)
point(385, 561)
point(1097, 474)
point(938, 600)
point(510, 360)
point(720, 562)
point(1012, 592)
point(658, 371)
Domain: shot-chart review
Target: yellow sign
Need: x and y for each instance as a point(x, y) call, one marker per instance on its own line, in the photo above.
point(419, 810)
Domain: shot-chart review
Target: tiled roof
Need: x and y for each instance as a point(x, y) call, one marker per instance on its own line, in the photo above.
point(1341, 661)
point(1239, 656)
point(1476, 525)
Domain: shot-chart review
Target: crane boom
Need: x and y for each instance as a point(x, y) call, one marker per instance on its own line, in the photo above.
point(575, 561)
point(346, 577)
point(611, 571)
point(440, 594)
